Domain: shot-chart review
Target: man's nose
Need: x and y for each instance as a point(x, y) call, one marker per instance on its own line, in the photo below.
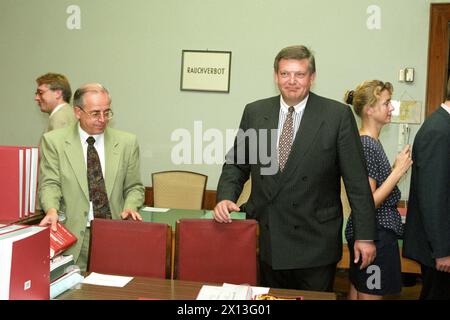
point(102, 117)
point(291, 78)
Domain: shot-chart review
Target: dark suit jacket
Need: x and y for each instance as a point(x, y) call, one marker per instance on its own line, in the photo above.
point(427, 230)
point(299, 210)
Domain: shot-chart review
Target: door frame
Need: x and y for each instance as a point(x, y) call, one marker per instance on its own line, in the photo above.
point(438, 47)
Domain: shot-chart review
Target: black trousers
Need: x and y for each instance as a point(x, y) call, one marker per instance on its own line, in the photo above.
point(435, 284)
point(314, 279)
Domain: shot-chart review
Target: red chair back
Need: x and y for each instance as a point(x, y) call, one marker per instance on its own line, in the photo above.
point(209, 251)
point(130, 248)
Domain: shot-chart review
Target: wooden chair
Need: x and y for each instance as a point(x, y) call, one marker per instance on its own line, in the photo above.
point(130, 248)
point(209, 251)
point(178, 189)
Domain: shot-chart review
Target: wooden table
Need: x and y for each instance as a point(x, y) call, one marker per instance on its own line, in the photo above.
point(151, 288)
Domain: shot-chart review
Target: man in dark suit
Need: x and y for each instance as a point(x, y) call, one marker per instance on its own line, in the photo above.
point(427, 230)
point(298, 206)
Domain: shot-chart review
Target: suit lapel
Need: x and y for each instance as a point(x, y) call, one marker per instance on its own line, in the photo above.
point(112, 153)
point(75, 156)
point(271, 115)
point(269, 121)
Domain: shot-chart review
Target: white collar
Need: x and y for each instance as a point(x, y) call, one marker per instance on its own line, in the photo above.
point(298, 107)
point(446, 107)
point(84, 135)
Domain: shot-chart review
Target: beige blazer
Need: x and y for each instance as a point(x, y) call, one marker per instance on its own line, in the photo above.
point(61, 118)
point(63, 179)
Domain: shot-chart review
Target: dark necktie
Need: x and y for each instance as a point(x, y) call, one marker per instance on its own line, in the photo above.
point(97, 189)
point(285, 143)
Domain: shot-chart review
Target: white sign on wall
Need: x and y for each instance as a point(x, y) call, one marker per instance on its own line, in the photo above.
point(205, 70)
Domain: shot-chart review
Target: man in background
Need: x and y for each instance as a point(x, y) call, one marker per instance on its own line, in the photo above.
point(427, 230)
point(53, 97)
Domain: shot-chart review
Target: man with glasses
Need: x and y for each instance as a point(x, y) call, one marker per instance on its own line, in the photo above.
point(66, 178)
point(53, 97)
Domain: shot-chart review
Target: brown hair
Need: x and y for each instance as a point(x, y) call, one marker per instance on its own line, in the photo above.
point(366, 94)
point(56, 81)
point(296, 53)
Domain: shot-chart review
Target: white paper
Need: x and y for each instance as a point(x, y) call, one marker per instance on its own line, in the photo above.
point(255, 290)
point(153, 209)
point(59, 261)
point(106, 280)
point(225, 292)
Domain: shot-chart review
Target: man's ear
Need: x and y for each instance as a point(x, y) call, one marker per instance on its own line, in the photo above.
point(77, 112)
point(58, 93)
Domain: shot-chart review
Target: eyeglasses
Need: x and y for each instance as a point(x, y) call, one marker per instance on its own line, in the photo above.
point(96, 115)
point(40, 92)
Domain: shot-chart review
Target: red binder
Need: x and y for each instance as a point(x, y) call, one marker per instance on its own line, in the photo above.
point(25, 264)
point(60, 240)
point(18, 176)
point(11, 169)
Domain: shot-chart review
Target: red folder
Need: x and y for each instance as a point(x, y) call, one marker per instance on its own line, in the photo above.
point(18, 176)
point(25, 264)
point(60, 240)
point(11, 186)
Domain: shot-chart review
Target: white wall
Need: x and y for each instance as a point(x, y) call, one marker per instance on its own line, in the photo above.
point(134, 49)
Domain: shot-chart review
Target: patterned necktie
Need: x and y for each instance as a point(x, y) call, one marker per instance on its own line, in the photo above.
point(285, 144)
point(97, 189)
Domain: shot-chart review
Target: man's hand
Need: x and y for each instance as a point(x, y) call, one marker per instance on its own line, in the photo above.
point(51, 218)
point(443, 264)
point(222, 210)
point(128, 213)
point(366, 251)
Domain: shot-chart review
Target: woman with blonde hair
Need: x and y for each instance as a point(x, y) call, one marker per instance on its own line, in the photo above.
point(371, 101)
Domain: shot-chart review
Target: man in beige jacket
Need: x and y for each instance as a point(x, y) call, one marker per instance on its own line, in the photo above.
point(63, 179)
point(53, 97)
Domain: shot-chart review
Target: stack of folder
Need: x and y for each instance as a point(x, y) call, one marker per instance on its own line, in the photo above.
point(18, 173)
point(64, 274)
point(60, 265)
point(24, 262)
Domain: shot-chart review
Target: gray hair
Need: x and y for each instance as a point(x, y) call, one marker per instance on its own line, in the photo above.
point(78, 97)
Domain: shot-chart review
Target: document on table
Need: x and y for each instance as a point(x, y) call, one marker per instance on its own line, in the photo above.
point(153, 209)
point(106, 280)
point(255, 290)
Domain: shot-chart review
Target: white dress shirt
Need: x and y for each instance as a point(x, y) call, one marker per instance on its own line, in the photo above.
point(298, 113)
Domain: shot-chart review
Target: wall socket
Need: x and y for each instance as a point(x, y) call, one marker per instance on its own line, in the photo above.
point(406, 75)
point(409, 74)
point(401, 75)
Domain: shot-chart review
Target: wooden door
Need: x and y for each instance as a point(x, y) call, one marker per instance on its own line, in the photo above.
point(438, 56)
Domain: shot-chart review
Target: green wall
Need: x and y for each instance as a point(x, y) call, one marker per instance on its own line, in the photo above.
point(134, 48)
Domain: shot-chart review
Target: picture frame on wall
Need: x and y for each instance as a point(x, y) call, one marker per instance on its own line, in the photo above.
point(205, 71)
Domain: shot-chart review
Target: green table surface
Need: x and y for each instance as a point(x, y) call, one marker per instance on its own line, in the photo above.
point(173, 215)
